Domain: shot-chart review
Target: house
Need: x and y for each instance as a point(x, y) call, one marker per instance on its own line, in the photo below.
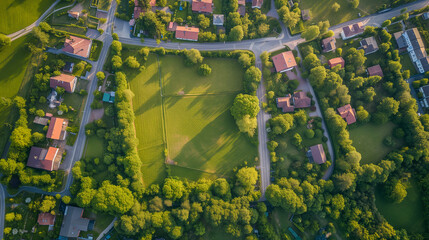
point(187, 33)
point(316, 154)
point(328, 44)
point(375, 71)
point(425, 16)
point(347, 113)
point(152, 3)
point(305, 14)
point(57, 129)
point(423, 64)
point(284, 61)
point(257, 3)
point(68, 68)
point(109, 97)
point(137, 12)
point(425, 92)
point(241, 10)
point(369, 45)
point(289, 103)
point(241, 2)
point(68, 82)
point(218, 19)
point(172, 26)
point(411, 41)
point(46, 219)
point(41, 120)
point(73, 222)
point(352, 30)
point(45, 159)
point(336, 61)
point(73, 14)
point(78, 46)
point(202, 6)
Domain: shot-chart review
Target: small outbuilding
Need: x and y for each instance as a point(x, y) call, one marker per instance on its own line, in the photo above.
point(375, 71)
point(336, 61)
point(218, 19)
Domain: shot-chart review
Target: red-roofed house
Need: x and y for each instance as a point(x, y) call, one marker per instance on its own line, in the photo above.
point(202, 6)
point(317, 154)
point(347, 113)
point(46, 159)
point(289, 103)
point(172, 26)
point(68, 82)
point(284, 61)
point(78, 46)
point(57, 129)
point(187, 33)
point(336, 61)
point(375, 71)
point(152, 3)
point(257, 3)
point(46, 219)
point(285, 103)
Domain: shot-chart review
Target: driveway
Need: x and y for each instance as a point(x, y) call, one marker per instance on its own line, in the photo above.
point(122, 28)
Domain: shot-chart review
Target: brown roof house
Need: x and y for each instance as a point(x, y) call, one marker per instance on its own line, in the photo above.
point(187, 33)
point(73, 222)
point(316, 154)
point(46, 159)
point(375, 71)
point(328, 44)
point(78, 46)
point(369, 45)
point(46, 219)
point(352, 30)
point(68, 82)
point(305, 14)
point(347, 113)
point(202, 6)
point(241, 10)
point(289, 103)
point(257, 3)
point(284, 61)
point(336, 61)
point(57, 129)
point(73, 14)
point(172, 26)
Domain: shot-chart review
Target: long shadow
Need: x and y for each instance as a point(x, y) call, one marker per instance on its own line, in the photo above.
point(15, 3)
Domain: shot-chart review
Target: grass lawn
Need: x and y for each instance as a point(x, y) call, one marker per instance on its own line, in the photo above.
point(407, 64)
point(368, 141)
point(217, 7)
point(94, 147)
point(396, 27)
point(408, 214)
point(15, 15)
point(103, 5)
point(299, 28)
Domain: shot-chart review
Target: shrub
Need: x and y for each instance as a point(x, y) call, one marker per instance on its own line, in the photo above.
point(204, 70)
point(309, 133)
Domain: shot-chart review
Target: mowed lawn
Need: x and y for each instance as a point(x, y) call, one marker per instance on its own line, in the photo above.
point(368, 141)
point(408, 214)
point(17, 14)
point(94, 147)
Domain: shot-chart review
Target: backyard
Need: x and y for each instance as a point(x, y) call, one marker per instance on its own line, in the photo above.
point(94, 147)
point(407, 64)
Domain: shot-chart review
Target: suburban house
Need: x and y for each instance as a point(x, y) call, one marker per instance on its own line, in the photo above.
point(425, 16)
point(78, 46)
point(241, 10)
point(68, 82)
point(109, 97)
point(375, 71)
point(412, 42)
point(137, 10)
point(347, 113)
point(46, 159)
point(352, 30)
point(257, 3)
point(68, 68)
point(425, 92)
point(369, 45)
point(289, 103)
point(241, 2)
point(57, 129)
point(73, 222)
point(305, 14)
point(202, 6)
point(316, 154)
point(336, 61)
point(187, 33)
point(284, 61)
point(328, 44)
point(73, 14)
point(152, 3)
point(46, 219)
point(172, 26)
point(218, 19)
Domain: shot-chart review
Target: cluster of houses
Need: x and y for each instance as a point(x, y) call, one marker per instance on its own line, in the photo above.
point(410, 41)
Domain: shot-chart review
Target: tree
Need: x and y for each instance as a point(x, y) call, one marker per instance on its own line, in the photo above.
point(66, 199)
point(281, 123)
point(204, 70)
point(354, 3)
point(236, 33)
point(252, 77)
point(323, 26)
point(41, 36)
point(362, 115)
point(389, 106)
point(193, 56)
point(47, 204)
point(4, 40)
point(203, 21)
point(100, 75)
point(247, 125)
point(173, 189)
point(37, 137)
point(40, 113)
point(345, 181)
point(116, 62)
point(311, 33)
point(221, 188)
point(289, 18)
point(247, 178)
point(336, 7)
point(245, 60)
point(132, 62)
point(355, 57)
point(116, 47)
point(9, 217)
point(309, 133)
point(311, 61)
point(245, 105)
point(386, 23)
point(113, 199)
point(21, 137)
point(263, 29)
point(115, 36)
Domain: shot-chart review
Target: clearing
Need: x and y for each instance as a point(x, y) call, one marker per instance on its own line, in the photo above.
point(94, 147)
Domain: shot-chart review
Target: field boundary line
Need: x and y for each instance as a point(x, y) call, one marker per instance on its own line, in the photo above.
point(195, 169)
point(203, 94)
point(163, 113)
point(150, 146)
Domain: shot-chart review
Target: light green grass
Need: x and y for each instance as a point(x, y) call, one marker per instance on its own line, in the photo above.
point(94, 147)
point(368, 141)
point(18, 14)
point(408, 214)
point(217, 7)
point(104, 5)
point(407, 64)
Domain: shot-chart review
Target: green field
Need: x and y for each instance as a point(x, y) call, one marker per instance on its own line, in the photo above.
point(407, 64)
point(408, 214)
point(103, 5)
point(94, 147)
point(15, 15)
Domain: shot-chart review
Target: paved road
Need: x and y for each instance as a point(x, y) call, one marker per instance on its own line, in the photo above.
point(2, 210)
point(107, 229)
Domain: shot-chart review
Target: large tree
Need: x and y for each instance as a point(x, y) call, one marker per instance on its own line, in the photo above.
point(245, 105)
point(4, 40)
point(311, 33)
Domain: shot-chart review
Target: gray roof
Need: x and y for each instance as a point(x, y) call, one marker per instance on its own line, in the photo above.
point(218, 19)
point(369, 45)
point(425, 90)
point(400, 39)
point(425, 63)
point(73, 222)
point(329, 44)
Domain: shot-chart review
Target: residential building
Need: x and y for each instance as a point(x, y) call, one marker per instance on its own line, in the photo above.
point(316, 154)
point(218, 19)
point(425, 92)
point(425, 16)
point(369, 45)
point(68, 82)
point(375, 71)
point(202, 6)
point(152, 3)
point(257, 3)
point(347, 113)
point(241, 10)
point(73, 14)
point(289, 103)
point(328, 44)
point(45, 159)
point(284, 61)
point(336, 61)
point(352, 30)
point(46, 219)
point(411, 41)
point(241, 2)
point(172, 26)
point(73, 223)
point(187, 33)
point(109, 97)
point(57, 129)
point(305, 14)
point(68, 68)
point(78, 46)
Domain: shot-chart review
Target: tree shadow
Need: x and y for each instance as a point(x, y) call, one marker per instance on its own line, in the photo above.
point(15, 3)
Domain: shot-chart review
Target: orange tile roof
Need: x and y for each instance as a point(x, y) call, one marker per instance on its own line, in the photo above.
point(152, 3)
point(77, 46)
point(205, 6)
point(284, 61)
point(348, 113)
point(335, 61)
point(46, 219)
point(65, 81)
point(285, 103)
point(187, 33)
point(55, 128)
point(52, 153)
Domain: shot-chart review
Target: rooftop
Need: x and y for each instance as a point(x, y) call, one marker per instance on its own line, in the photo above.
point(284, 61)
point(318, 154)
point(56, 128)
point(73, 222)
point(375, 71)
point(347, 113)
point(77, 46)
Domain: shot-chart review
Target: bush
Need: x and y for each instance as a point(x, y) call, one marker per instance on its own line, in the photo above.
point(388, 141)
point(309, 133)
point(204, 70)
